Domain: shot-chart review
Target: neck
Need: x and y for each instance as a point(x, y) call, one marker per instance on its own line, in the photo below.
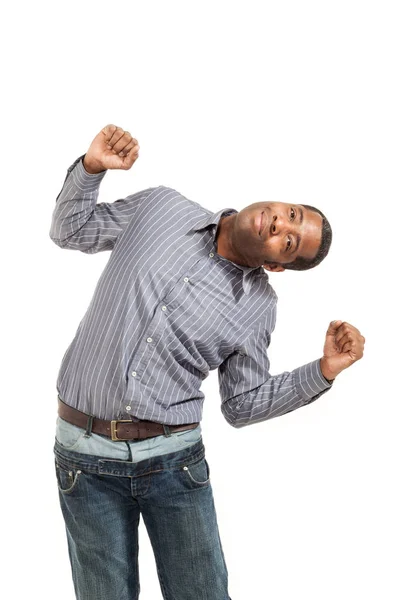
point(224, 237)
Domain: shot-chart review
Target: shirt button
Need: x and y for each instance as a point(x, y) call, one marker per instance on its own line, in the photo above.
point(134, 373)
point(128, 408)
point(163, 308)
point(211, 254)
point(186, 279)
point(149, 339)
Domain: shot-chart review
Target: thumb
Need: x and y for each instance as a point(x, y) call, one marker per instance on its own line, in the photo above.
point(333, 327)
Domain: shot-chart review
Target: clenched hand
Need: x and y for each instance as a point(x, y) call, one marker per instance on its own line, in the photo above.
point(112, 148)
point(344, 345)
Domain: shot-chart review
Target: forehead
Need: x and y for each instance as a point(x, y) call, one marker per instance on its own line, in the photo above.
point(311, 232)
point(285, 205)
point(273, 204)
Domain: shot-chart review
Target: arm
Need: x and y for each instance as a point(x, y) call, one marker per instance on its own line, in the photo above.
point(250, 394)
point(78, 223)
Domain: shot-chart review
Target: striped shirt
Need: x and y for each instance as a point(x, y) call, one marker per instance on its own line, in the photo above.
point(168, 309)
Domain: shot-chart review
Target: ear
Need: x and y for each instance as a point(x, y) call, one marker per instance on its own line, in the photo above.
point(273, 267)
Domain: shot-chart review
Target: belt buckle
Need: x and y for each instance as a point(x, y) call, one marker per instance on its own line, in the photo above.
point(114, 436)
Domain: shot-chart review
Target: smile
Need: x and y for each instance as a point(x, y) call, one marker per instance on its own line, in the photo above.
point(260, 223)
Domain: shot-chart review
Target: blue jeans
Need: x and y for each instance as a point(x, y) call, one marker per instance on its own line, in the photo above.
point(105, 486)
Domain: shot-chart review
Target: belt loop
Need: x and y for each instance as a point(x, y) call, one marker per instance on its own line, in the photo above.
point(88, 431)
point(167, 430)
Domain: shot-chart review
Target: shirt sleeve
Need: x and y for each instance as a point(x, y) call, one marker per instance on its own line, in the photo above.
point(79, 223)
point(250, 394)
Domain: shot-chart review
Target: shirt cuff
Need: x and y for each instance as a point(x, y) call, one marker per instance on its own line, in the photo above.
point(82, 179)
point(309, 380)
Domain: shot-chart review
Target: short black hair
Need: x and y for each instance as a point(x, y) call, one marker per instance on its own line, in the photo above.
point(301, 263)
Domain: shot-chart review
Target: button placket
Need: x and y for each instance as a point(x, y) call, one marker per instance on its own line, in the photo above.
point(156, 327)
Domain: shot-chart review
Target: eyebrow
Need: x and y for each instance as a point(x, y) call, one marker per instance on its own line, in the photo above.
point(298, 238)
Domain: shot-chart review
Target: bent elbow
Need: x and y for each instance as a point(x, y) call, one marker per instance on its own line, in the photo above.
point(57, 241)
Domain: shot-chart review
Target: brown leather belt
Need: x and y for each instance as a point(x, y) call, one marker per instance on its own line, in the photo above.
point(128, 430)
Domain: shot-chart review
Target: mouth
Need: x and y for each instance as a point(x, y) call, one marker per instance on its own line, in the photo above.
point(261, 222)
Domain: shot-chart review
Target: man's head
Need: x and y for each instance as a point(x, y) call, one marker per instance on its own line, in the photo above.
point(276, 235)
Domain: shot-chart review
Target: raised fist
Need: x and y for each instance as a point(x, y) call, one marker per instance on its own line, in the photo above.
point(344, 345)
point(112, 148)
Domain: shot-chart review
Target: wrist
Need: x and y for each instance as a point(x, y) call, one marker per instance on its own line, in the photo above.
point(326, 370)
point(91, 167)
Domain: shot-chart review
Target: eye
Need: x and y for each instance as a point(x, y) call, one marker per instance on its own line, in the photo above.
point(292, 214)
point(288, 244)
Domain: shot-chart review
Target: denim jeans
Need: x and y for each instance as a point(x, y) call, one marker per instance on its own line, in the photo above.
point(105, 486)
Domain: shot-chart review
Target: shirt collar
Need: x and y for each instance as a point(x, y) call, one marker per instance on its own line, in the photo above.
point(213, 220)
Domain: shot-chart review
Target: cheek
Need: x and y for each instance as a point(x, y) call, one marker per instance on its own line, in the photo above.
point(273, 246)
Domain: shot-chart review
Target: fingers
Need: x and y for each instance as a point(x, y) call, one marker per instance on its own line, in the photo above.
point(108, 131)
point(349, 339)
point(132, 145)
point(346, 340)
point(344, 330)
point(119, 141)
point(129, 159)
point(347, 346)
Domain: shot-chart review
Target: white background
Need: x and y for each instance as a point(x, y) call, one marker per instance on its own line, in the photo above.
point(232, 103)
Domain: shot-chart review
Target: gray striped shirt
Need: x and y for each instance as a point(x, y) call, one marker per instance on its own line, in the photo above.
point(166, 310)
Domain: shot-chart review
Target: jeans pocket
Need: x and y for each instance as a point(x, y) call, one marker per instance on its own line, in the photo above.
point(197, 474)
point(67, 477)
point(68, 435)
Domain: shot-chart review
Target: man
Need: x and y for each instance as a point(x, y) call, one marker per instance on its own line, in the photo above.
point(185, 291)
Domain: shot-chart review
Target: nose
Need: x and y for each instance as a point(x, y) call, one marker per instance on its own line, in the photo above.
point(277, 224)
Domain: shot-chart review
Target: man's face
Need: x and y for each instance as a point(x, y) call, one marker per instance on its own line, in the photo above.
point(266, 233)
